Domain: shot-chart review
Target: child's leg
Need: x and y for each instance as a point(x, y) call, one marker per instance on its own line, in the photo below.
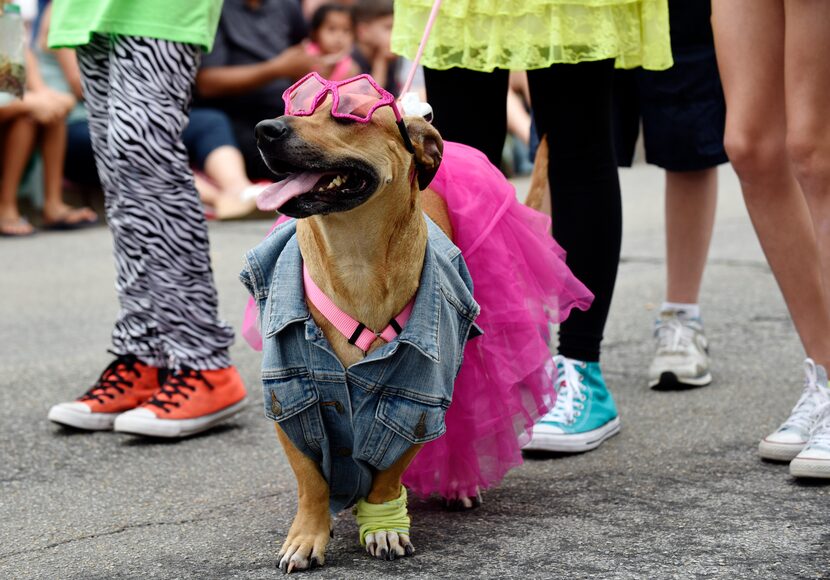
point(135, 329)
point(150, 85)
point(18, 142)
point(691, 197)
point(53, 152)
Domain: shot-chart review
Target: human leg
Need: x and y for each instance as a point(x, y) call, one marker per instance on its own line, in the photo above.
point(749, 37)
point(587, 223)
point(682, 356)
point(56, 213)
point(750, 41)
point(807, 86)
point(18, 136)
point(161, 206)
point(585, 190)
point(138, 369)
point(470, 107)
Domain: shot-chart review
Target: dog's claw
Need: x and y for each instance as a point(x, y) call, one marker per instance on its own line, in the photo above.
point(291, 566)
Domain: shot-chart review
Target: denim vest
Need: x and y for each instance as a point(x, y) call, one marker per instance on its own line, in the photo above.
point(364, 417)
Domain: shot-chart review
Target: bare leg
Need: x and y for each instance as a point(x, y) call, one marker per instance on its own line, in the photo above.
point(749, 37)
point(807, 78)
point(305, 546)
point(53, 151)
point(691, 197)
point(226, 167)
point(208, 192)
point(19, 142)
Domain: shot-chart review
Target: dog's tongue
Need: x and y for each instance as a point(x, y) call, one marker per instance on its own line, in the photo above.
point(274, 196)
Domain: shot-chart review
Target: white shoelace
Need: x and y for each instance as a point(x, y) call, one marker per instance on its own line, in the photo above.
point(674, 336)
point(569, 391)
point(802, 416)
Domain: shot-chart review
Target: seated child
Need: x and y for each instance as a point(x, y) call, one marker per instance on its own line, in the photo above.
point(40, 117)
point(332, 37)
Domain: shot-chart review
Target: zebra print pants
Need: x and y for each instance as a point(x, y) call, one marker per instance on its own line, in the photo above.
point(137, 93)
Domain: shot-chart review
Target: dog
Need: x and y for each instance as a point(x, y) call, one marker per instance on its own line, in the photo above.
point(356, 191)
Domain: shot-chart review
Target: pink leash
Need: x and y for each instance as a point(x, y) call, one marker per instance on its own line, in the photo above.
point(432, 16)
point(356, 332)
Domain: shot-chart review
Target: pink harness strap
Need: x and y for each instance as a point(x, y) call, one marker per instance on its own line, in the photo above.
point(356, 332)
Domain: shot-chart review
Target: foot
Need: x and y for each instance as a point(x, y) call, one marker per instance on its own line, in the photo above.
point(15, 227)
point(786, 442)
point(125, 384)
point(384, 527)
point(231, 206)
point(190, 401)
point(64, 217)
point(305, 546)
point(682, 358)
point(584, 414)
point(814, 459)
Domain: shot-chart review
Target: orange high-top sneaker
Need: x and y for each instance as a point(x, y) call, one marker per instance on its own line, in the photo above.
point(189, 401)
point(125, 384)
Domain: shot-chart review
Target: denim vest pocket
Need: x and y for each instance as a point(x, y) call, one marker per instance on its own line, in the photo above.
point(291, 399)
point(406, 422)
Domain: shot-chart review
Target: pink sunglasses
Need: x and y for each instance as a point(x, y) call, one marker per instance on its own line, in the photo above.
point(355, 99)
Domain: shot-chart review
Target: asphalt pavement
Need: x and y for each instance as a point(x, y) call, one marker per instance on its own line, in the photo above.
point(679, 493)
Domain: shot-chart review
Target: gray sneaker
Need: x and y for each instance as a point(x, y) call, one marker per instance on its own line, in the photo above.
point(682, 358)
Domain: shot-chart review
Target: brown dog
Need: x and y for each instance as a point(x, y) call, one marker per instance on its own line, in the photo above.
point(363, 238)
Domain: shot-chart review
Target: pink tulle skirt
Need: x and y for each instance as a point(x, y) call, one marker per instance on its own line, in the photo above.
point(523, 286)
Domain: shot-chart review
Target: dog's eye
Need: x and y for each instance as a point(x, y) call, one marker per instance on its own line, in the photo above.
point(344, 121)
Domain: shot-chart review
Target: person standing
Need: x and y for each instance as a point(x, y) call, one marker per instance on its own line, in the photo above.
point(570, 51)
point(172, 375)
point(776, 79)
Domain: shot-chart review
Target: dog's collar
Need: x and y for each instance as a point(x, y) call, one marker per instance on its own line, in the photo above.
point(356, 332)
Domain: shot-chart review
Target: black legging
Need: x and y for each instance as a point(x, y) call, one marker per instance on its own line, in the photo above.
point(572, 105)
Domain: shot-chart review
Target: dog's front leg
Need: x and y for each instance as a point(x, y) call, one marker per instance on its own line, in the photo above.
point(305, 546)
point(386, 487)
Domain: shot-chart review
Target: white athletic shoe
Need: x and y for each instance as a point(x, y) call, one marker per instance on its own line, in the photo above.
point(682, 358)
point(814, 459)
point(790, 438)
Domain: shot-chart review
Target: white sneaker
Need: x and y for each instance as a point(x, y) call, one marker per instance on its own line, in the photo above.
point(814, 459)
point(682, 357)
point(790, 438)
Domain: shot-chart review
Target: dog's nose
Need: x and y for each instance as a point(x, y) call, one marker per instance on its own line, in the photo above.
point(271, 130)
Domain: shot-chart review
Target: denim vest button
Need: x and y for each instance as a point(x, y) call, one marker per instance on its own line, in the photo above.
point(344, 452)
point(276, 408)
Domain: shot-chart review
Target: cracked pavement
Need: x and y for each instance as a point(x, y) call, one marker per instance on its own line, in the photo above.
point(679, 493)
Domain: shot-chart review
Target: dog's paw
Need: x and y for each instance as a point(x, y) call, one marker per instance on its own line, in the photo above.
point(389, 545)
point(303, 552)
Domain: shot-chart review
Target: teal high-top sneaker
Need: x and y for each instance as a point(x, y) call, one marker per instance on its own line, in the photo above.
point(584, 414)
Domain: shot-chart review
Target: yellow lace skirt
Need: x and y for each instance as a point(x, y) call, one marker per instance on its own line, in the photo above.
point(529, 34)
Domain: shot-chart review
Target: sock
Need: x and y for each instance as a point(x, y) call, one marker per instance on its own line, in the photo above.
point(690, 310)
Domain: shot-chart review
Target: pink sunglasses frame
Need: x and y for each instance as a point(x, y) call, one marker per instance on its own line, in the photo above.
point(328, 86)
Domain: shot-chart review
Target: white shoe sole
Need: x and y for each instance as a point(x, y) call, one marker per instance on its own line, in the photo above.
point(810, 467)
point(137, 423)
point(779, 451)
point(576, 443)
point(668, 379)
point(66, 415)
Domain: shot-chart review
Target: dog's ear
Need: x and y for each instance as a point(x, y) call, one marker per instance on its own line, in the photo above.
point(429, 148)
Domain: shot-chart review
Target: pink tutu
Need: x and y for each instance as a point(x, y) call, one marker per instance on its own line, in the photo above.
point(523, 286)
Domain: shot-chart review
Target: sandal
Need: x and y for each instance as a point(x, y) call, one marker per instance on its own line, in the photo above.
point(68, 220)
